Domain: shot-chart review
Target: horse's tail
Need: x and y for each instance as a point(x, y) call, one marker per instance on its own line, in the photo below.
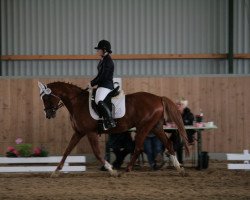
point(171, 112)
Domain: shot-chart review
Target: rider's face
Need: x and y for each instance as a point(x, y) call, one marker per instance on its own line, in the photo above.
point(100, 52)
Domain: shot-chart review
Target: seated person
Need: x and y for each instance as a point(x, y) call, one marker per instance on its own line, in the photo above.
point(154, 149)
point(188, 119)
point(121, 145)
point(187, 116)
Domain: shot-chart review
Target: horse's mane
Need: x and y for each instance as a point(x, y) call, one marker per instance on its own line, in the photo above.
point(68, 84)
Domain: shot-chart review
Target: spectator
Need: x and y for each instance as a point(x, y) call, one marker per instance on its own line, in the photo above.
point(154, 148)
point(187, 116)
point(121, 144)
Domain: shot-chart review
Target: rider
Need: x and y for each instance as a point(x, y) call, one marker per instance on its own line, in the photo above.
point(104, 82)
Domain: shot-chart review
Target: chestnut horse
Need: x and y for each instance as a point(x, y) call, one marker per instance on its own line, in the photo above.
point(144, 111)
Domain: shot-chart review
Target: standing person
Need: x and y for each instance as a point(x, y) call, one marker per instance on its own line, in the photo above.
point(104, 82)
point(188, 118)
point(154, 148)
point(121, 144)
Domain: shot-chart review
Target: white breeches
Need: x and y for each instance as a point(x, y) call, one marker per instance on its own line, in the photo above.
point(101, 94)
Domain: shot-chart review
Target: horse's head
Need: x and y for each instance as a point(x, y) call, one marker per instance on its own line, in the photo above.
point(50, 100)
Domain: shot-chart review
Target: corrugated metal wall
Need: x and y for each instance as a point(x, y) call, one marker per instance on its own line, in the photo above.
point(56, 27)
point(123, 67)
point(242, 35)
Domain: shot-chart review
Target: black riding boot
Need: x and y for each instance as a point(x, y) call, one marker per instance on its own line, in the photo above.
point(106, 114)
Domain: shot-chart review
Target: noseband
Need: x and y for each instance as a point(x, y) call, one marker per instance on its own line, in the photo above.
point(54, 108)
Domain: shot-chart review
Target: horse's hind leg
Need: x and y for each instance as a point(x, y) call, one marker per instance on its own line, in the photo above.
point(73, 142)
point(141, 134)
point(159, 132)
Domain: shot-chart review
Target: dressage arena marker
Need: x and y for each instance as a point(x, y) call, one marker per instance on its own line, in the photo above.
point(243, 157)
point(20, 164)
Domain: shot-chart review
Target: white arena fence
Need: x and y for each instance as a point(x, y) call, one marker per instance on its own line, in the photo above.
point(245, 157)
point(41, 164)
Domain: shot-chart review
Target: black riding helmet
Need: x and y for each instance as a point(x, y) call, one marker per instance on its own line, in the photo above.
point(104, 45)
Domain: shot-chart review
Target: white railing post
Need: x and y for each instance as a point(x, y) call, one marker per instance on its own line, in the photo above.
point(25, 167)
point(245, 157)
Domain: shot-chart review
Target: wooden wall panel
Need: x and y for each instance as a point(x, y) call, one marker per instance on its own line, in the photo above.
point(224, 100)
point(246, 101)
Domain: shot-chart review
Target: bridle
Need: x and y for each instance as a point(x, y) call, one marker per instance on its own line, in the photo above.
point(54, 108)
point(60, 103)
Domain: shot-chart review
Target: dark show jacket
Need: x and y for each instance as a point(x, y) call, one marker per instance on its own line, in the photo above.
point(187, 116)
point(188, 119)
point(105, 74)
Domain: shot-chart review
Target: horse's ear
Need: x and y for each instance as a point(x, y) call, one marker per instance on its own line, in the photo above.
point(41, 86)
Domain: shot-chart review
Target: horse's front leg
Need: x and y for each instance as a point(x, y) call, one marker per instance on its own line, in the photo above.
point(73, 142)
point(93, 140)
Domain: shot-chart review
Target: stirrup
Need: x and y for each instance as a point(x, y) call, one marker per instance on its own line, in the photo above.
point(107, 124)
point(104, 127)
point(112, 123)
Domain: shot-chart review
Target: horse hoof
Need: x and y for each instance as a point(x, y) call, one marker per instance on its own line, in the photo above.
point(55, 174)
point(114, 173)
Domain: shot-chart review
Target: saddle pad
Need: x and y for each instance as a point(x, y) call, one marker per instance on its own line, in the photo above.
point(118, 101)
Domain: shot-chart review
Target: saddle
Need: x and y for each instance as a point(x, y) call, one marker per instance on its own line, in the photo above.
point(115, 92)
point(115, 102)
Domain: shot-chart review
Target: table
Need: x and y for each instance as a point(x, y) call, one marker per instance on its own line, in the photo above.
point(199, 138)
